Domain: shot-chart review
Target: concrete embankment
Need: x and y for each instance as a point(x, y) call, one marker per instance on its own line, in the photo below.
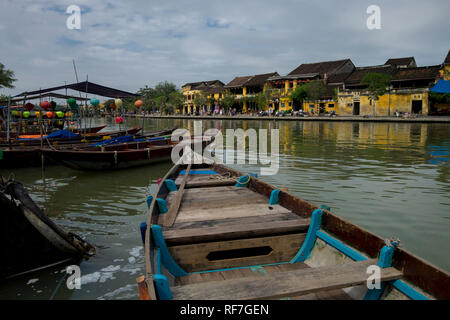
point(429, 119)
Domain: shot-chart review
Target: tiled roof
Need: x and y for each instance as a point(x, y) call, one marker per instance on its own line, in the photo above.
point(401, 61)
point(447, 59)
point(255, 80)
point(420, 73)
point(328, 67)
point(195, 85)
point(356, 76)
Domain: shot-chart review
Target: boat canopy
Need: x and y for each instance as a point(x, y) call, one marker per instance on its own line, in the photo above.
point(87, 87)
point(442, 86)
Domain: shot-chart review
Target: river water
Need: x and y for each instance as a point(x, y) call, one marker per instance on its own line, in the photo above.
point(390, 178)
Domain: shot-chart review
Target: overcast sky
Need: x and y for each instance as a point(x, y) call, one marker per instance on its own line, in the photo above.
point(130, 44)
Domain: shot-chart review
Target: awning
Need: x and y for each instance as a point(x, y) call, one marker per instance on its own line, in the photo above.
point(442, 86)
point(87, 87)
point(44, 95)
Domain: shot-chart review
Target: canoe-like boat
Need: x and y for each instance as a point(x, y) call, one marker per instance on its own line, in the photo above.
point(29, 156)
point(35, 131)
point(35, 140)
point(213, 232)
point(30, 240)
point(116, 156)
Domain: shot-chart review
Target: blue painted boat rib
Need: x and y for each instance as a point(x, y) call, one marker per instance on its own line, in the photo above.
point(170, 184)
point(408, 290)
point(274, 196)
point(242, 181)
point(162, 206)
point(384, 261)
point(143, 229)
point(162, 287)
point(308, 244)
point(166, 257)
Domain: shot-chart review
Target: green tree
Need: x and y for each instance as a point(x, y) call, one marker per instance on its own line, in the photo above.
point(262, 99)
point(6, 77)
point(176, 100)
point(299, 95)
point(200, 99)
point(227, 101)
point(377, 84)
point(315, 90)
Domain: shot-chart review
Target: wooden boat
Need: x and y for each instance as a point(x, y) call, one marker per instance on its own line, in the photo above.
point(117, 156)
point(30, 240)
point(35, 131)
point(35, 140)
point(29, 156)
point(217, 233)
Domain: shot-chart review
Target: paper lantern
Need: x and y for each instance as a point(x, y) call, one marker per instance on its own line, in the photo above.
point(113, 106)
point(74, 107)
point(138, 103)
point(14, 113)
point(37, 114)
point(29, 106)
point(26, 114)
point(118, 102)
point(45, 105)
point(95, 102)
point(71, 102)
point(119, 120)
point(59, 114)
point(101, 105)
point(307, 80)
point(49, 114)
point(53, 104)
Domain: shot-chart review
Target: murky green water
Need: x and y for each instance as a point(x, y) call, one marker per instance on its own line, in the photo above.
point(392, 179)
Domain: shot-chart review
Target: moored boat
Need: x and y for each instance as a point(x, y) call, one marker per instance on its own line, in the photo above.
point(31, 155)
point(30, 240)
point(116, 156)
point(213, 232)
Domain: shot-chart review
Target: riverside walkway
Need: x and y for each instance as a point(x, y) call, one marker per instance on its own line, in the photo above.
point(428, 119)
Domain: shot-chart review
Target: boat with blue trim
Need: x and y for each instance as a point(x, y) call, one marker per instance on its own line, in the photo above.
point(213, 232)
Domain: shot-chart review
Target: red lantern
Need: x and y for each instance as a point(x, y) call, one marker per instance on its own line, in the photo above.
point(119, 120)
point(49, 114)
point(29, 106)
point(113, 106)
point(291, 81)
point(138, 103)
point(45, 105)
point(307, 80)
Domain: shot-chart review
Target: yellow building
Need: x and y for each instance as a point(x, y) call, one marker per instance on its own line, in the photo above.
point(247, 87)
point(282, 87)
point(211, 89)
point(407, 93)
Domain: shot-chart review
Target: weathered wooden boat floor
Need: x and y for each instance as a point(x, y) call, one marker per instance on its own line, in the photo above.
point(294, 281)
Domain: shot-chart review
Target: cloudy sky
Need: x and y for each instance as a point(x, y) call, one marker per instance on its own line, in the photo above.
point(130, 44)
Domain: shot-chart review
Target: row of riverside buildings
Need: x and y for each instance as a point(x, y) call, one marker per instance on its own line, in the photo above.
point(408, 92)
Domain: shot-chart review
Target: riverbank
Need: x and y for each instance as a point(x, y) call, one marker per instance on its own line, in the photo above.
point(427, 119)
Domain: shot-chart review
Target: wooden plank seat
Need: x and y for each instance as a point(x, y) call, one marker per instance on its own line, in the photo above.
point(205, 180)
point(235, 231)
point(237, 273)
point(283, 284)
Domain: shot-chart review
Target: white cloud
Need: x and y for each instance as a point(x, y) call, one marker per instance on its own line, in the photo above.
point(129, 44)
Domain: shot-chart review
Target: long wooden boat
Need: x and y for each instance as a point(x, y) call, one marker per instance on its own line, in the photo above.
point(216, 233)
point(30, 240)
point(35, 140)
point(117, 156)
point(29, 156)
point(36, 131)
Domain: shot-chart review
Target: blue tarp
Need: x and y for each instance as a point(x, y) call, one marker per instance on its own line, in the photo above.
point(442, 86)
point(57, 134)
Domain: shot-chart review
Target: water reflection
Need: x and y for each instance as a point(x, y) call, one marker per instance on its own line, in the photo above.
point(391, 178)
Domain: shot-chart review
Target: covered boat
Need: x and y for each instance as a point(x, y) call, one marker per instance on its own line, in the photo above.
point(30, 240)
point(117, 156)
point(216, 233)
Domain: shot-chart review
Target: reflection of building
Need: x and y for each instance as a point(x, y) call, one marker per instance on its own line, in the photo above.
point(211, 89)
point(246, 88)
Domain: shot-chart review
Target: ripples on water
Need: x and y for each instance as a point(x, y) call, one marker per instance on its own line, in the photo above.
point(392, 179)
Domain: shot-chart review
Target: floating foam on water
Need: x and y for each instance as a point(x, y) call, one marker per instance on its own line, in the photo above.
point(31, 281)
point(135, 252)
